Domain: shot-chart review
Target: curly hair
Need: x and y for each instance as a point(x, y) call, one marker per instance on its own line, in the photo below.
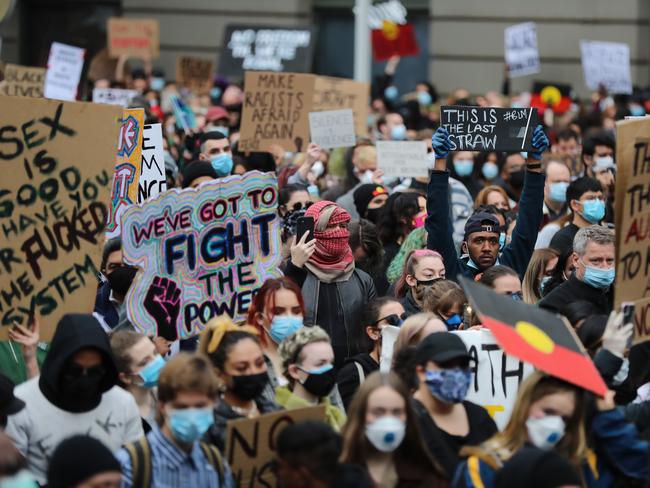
point(291, 348)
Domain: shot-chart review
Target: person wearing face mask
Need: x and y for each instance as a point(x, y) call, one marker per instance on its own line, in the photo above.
point(76, 393)
point(368, 252)
point(504, 281)
point(313, 168)
point(594, 258)
point(335, 291)
point(447, 421)
point(369, 200)
point(447, 300)
point(380, 313)
point(391, 127)
point(585, 199)
point(539, 274)
point(422, 269)
point(172, 454)
point(558, 178)
point(488, 162)
point(512, 175)
point(216, 149)
point(236, 355)
point(549, 414)
point(482, 230)
point(461, 166)
point(277, 311)
point(308, 364)
point(139, 366)
point(382, 437)
point(363, 172)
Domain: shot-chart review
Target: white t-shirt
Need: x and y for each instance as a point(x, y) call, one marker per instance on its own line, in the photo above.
point(38, 428)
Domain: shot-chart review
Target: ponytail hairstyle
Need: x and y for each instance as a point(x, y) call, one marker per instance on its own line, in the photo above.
point(412, 260)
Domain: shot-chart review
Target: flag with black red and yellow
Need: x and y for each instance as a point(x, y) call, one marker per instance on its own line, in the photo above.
point(394, 40)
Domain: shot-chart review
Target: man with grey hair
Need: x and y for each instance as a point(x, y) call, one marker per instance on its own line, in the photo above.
point(594, 259)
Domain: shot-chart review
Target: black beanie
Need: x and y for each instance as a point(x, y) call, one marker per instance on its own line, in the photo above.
point(536, 468)
point(195, 170)
point(364, 194)
point(77, 459)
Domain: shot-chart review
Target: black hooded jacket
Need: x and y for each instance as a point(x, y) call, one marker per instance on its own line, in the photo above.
point(74, 333)
point(348, 376)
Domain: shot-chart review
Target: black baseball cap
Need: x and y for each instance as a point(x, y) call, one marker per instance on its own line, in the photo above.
point(441, 347)
point(9, 404)
point(482, 222)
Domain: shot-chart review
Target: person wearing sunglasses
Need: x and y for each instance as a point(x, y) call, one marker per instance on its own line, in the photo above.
point(380, 313)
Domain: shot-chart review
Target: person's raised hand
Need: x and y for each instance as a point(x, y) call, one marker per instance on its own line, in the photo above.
point(27, 338)
point(301, 250)
point(441, 143)
point(378, 177)
point(540, 142)
point(314, 152)
point(617, 334)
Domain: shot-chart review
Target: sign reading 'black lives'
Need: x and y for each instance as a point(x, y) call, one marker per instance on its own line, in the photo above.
point(489, 128)
point(266, 48)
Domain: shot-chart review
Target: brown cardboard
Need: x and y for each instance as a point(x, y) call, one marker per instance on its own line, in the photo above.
point(137, 38)
point(58, 160)
point(339, 93)
point(194, 73)
point(23, 81)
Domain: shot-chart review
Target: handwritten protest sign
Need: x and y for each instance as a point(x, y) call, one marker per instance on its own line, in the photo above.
point(488, 128)
point(276, 111)
point(195, 73)
point(496, 376)
point(332, 128)
point(522, 56)
point(113, 96)
point(201, 252)
point(339, 93)
point(64, 67)
point(138, 38)
point(152, 171)
point(57, 158)
point(127, 170)
point(24, 81)
point(266, 48)
point(402, 158)
point(251, 443)
point(607, 64)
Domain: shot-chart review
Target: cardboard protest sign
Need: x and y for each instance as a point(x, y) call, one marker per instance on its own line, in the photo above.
point(536, 336)
point(332, 128)
point(522, 56)
point(339, 93)
point(489, 128)
point(57, 158)
point(127, 170)
point(496, 376)
point(266, 48)
point(113, 96)
point(276, 111)
point(195, 73)
point(64, 67)
point(202, 252)
point(138, 38)
point(606, 64)
point(388, 337)
point(402, 158)
point(23, 81)
point(250, 444)
point(152, 171)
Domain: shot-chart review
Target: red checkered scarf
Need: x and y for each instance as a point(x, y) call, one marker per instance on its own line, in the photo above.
point(332, 260)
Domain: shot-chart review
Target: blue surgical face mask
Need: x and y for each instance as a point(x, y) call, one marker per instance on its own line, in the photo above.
point(558, 191)
point(542, 284)
point(517, 296)
point(222, 164)
point(189, 424)
point(284, 326)
point(637, 111)
point(424, 98)
point(398, 132)
point(391, 93)
point(151, 372)
point(593, 210)
point(454, 322)
point(490, 170)
point(449, 385)
point(157, 84)
point(463, 167)
point(502, 241)
point(215, 93)
point(598, 277)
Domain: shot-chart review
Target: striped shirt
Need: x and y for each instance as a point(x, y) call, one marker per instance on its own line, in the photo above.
point(174, 468)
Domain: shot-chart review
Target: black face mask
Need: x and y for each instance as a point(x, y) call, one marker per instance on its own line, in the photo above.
point(373, 214)
point(320, 384)
point(120, 279)
point(81, 386)
point(516, 179)
point(250, 386)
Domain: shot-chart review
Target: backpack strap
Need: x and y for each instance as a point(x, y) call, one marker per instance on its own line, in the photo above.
point(362, 375)
point(141, 469)
point(213, 456)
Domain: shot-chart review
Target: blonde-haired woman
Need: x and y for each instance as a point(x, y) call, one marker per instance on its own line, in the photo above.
point(382, 436)
point(540, 271)
point(416, 328)
point(550, 414)
point(308, 364)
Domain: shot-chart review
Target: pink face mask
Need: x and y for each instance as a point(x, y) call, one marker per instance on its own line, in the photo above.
point(418, 221)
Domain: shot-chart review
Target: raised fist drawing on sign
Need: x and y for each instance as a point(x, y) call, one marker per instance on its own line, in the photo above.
point(163, 302)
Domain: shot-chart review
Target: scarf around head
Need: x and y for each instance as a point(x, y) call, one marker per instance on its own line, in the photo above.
point(332, 260)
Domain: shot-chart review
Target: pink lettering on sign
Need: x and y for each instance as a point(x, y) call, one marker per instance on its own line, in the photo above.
point(128, 137)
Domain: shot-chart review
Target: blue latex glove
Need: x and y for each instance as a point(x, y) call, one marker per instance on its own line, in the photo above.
point(441, 143)
point(540, 142)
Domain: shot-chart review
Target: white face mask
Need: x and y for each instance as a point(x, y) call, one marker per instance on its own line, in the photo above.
point(366, 177)
point(603, 163)
point(386, 433)
point(621, 376)
point(317, 169)
point(546, 432)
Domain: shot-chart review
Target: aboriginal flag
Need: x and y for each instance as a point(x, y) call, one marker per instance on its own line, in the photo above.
point(535, 336)
point(554, 95)
point(394, 40)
